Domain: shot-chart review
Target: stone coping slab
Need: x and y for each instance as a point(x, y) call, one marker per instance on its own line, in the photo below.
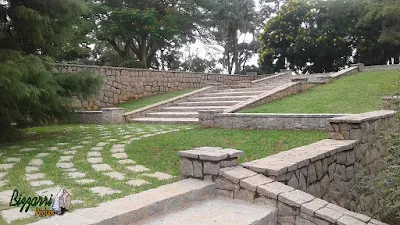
point(363, 117)
point(268, 78)
point(293, 159)
point(211, 153)
point(136, 207)
point(282, 115)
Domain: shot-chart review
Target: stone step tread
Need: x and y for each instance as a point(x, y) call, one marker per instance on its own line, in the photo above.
point(173, 114)
point(219, 211)
point(239, 93)
point(239, 90)
point(193, 108)
point(225, 103)
point(164, 120)
point(129, 209)
point(241, 98)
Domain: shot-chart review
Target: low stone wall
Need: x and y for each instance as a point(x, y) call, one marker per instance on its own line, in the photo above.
point(267, 121)
point(236, 182)
point(123, 84)
point(106, 115)
point(391, 103)
point(381, 68)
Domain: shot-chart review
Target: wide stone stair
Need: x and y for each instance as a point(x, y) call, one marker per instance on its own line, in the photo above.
point(187, 111)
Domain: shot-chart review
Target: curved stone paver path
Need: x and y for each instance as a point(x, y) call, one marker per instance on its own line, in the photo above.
point(94, 167)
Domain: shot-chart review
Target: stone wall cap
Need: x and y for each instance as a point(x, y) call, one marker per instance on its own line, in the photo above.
point(112, 109)
point(368, 116)
point(211, 153)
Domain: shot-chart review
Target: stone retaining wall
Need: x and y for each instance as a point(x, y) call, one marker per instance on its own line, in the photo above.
point(391, 103)
point(267, 121)
point(106, 115)
point(381, 68)
point(123, 84)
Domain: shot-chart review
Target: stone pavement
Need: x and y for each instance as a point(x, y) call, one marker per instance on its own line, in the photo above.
point(103, 154)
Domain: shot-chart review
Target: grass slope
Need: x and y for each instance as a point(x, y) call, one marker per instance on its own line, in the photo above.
point(357, 93)
point(149, 100)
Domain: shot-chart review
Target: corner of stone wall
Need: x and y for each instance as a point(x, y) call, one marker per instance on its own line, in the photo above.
point(113, 115)
point(207, 117)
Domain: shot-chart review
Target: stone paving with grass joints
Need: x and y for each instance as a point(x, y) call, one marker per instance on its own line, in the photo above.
point(89, 161)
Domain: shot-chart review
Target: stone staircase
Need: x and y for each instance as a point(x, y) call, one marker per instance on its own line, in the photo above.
point(187, 111)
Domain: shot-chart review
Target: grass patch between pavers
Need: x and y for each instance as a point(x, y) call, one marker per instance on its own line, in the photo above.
point(161, 152)
point(356, 93)
point(149, 100)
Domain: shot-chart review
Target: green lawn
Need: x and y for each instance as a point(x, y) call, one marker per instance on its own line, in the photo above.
point(149, 100)
point(157, 152)
point(356, 93)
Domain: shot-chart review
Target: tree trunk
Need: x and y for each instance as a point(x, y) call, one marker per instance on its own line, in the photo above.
point(235, 51)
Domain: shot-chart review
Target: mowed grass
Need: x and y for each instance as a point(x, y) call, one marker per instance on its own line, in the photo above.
point(149, 100)
point(356, 93)
point(161, 152)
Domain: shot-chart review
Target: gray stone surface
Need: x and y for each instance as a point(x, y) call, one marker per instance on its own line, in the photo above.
point(85, 181)
point(36, 162)
point(30, 169)
point(120, 155)
point(34, 176)
point(94, 154)
point(101, 167)
point(238, 173)
point(116, 150)
point(328, 214)
point(159, 176)
point(74, 175)
point(42, 154)
point(310, 207)
point(5, 196)
point(66, 158)
point(95, 160)
point(272, 190)
point(295, 198)
point(49, 191)
point(137, 168)
point(220, 211)
point(71, 152)
point(65, 165)
point(6, 166)
point(12, 160)
point(137, 183)
point(27, 149)
point(348, 220)
point(41, 183)
point(13, 214)
point(253, 182)
point(3, 174)
point(97, 149)
point(102, 191)
point(115, 175)
point(102, 144)
point(126, 161)
point(211, 168)
point(3, 182)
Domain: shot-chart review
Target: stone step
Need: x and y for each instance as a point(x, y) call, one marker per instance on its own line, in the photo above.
point(192, 109)
point(173, 115)
point(239, 90)
point(209, 103)
point(220, 211)
point(141, 206)
point(239, 93)
point(164, 120)
point(220, 98)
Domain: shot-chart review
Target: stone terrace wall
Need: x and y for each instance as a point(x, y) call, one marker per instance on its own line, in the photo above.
point(381, 68)
point(267, 121)
point(123, 84)
point(294, 207)
point(106, 115)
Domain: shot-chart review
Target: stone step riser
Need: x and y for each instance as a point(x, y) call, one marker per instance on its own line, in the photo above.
point(228, 94)
point(190, 109)
point(166, 120)
point(223, 98)
point(174, 115)
point(211, 103)
point(238, 90)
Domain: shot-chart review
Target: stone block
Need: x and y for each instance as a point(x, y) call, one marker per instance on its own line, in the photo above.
point(328, 214)
point(224, 184)
point(348, 220)
point(238, 173)
point(186, 167)
point(295, 198)
point(211, 168)
point(302, 221)
point(310, 207)
point(273, 190)
point(253, 182)
point(244, 195)
point(197, 169)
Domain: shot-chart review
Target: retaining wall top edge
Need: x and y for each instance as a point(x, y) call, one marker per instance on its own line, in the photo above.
point(363, 117)
point(281, 115)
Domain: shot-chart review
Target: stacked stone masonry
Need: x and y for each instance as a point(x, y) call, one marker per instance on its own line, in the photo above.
point(106, 115)
point(123, 84)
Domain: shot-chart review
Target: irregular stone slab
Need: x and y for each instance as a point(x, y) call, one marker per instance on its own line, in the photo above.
point(94, 160)
point(49, 191)
point(252, 183)
point(13, 214)
point(101, 167)
point(238, 173)
point(65, 165)
point(126, 161)
point(76, 175)
point(272, 190)
point(34, 176)
point(30, 169)
point(102, 191)
point(6, 166)
point(115, 175)
point(69, 152)
point(120, 155)
point(295, 198)
point(76, 147)
point(41, 183)
point(27, 149)
point(76, 202)
point(159, 176)
point(12, 159)
point(62, 144)
point(102, 144)
point(3, 175)
point(97, 149)
point(117, 146)
point(85, 142)
point(5, 196)
point(113, 140)
point(85, 181)
point(36, 162)
point(70, 169)
point(137, 168)
point(53, 148)
point(137, 183)
point(3, 182)
point(66, 158)
point(42, 154)
point(93, 154)
point(116, 150)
